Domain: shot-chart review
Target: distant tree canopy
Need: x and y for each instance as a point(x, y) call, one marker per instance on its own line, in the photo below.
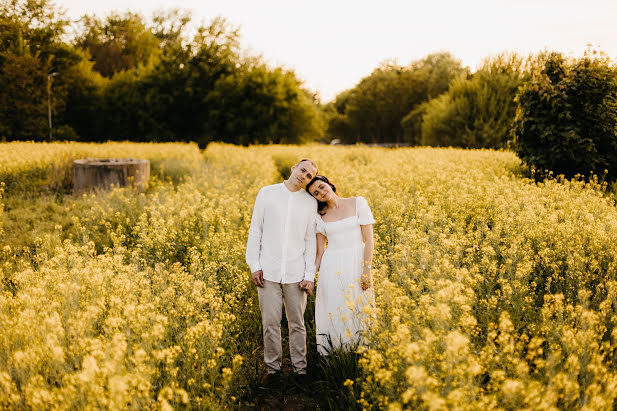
point(31, 48)
point(566, 119)
point(373, 110)
point(477, 111)
point(119, 43)
point(269, 105)
point(125, 78)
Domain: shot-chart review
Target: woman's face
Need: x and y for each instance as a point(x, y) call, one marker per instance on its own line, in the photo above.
point(321, 191)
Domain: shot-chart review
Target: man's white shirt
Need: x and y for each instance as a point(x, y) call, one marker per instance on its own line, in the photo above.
point(281, 239)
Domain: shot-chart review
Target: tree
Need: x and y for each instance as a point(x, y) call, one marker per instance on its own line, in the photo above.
point(433, 74)
point(478, 111)
point(260, 105)
point(566, 119)
point(31, 47)
point(202, 90)
point(84, 104)
point(125, 79)
point(169, 27)
point(168, 100)
point(23, 100)
point(377, 104)
point(430, 77)
point(30, 27)
point(119, 43)
point(148, 101)
point(337, 123)
point(373, 111)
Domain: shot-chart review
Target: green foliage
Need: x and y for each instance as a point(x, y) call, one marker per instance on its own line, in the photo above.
point(335, 372)
point(23, 101)
point(374, 109)
point(566, 119)
point(30, 28)
point(476, 112)
point(338, 124)
point(377, 104)
point(259, 105)
point(31, 47)
point(84, 100)
point(119, 43)
point(126, 79)
point(204, 91)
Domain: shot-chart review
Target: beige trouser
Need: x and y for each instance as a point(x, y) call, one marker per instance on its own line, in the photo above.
point(271, 298)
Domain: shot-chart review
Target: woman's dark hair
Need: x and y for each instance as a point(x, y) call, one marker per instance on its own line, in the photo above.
point(320, 204)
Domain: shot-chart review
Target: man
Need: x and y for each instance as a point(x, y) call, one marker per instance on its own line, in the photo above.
point(281, 255)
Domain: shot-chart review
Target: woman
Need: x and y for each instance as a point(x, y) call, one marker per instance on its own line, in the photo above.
point(344, 294)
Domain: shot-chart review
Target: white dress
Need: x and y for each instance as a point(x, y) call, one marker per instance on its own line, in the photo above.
point(341, 306)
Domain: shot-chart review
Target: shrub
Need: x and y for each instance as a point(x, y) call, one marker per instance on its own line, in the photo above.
point(476, 112)
point(567, 117)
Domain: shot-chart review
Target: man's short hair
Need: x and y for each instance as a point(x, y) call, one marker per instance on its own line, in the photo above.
point(310, 161)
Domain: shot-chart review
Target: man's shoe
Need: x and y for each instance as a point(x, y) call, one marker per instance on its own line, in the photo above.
point(302, 381)
point(271, 380)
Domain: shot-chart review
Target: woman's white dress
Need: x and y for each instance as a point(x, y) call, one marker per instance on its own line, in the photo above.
point(342, 308)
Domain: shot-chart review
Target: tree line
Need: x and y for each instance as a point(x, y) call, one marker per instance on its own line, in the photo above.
point(122, 77)
point(559, 114)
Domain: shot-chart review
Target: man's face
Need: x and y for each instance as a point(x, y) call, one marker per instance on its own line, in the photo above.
point(302, 173)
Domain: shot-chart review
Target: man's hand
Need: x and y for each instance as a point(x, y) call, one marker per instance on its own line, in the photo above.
point(307, 286)
point(258, 278)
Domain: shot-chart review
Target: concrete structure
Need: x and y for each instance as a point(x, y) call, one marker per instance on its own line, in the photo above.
point(97, 173)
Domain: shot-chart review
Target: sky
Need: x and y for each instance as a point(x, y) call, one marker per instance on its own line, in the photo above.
point(331, 45)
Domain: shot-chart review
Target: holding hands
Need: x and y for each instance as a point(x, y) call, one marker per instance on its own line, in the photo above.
point(258, 280)
point(307, 286)
point(367, 279)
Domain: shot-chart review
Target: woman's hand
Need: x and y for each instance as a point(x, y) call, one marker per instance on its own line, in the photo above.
point(366, 280)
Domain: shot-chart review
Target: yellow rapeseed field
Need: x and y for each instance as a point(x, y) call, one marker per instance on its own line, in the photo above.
point(25, 166)
point(492, 291)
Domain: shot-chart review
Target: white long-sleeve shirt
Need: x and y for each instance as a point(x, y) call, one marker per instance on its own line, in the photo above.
point(281, 239)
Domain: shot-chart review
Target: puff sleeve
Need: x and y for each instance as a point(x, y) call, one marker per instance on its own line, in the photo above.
point(320, 226)
point(365, 216)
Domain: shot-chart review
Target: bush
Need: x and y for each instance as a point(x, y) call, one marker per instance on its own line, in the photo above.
point(476, 112)
point(566, 119)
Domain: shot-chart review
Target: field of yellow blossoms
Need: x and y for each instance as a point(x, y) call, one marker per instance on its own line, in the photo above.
point(492, 291)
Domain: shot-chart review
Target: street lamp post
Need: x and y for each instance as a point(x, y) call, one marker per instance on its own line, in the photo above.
point(49, 76)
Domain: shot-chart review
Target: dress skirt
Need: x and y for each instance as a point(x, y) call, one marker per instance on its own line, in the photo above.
point(341, 306)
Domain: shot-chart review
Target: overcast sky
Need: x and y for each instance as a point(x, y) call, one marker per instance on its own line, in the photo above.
point(333, 44)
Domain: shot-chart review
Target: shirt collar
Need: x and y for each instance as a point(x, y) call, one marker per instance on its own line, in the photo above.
point(286, 190)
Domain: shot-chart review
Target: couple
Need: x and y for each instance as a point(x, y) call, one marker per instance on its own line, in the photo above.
point(291, 224)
